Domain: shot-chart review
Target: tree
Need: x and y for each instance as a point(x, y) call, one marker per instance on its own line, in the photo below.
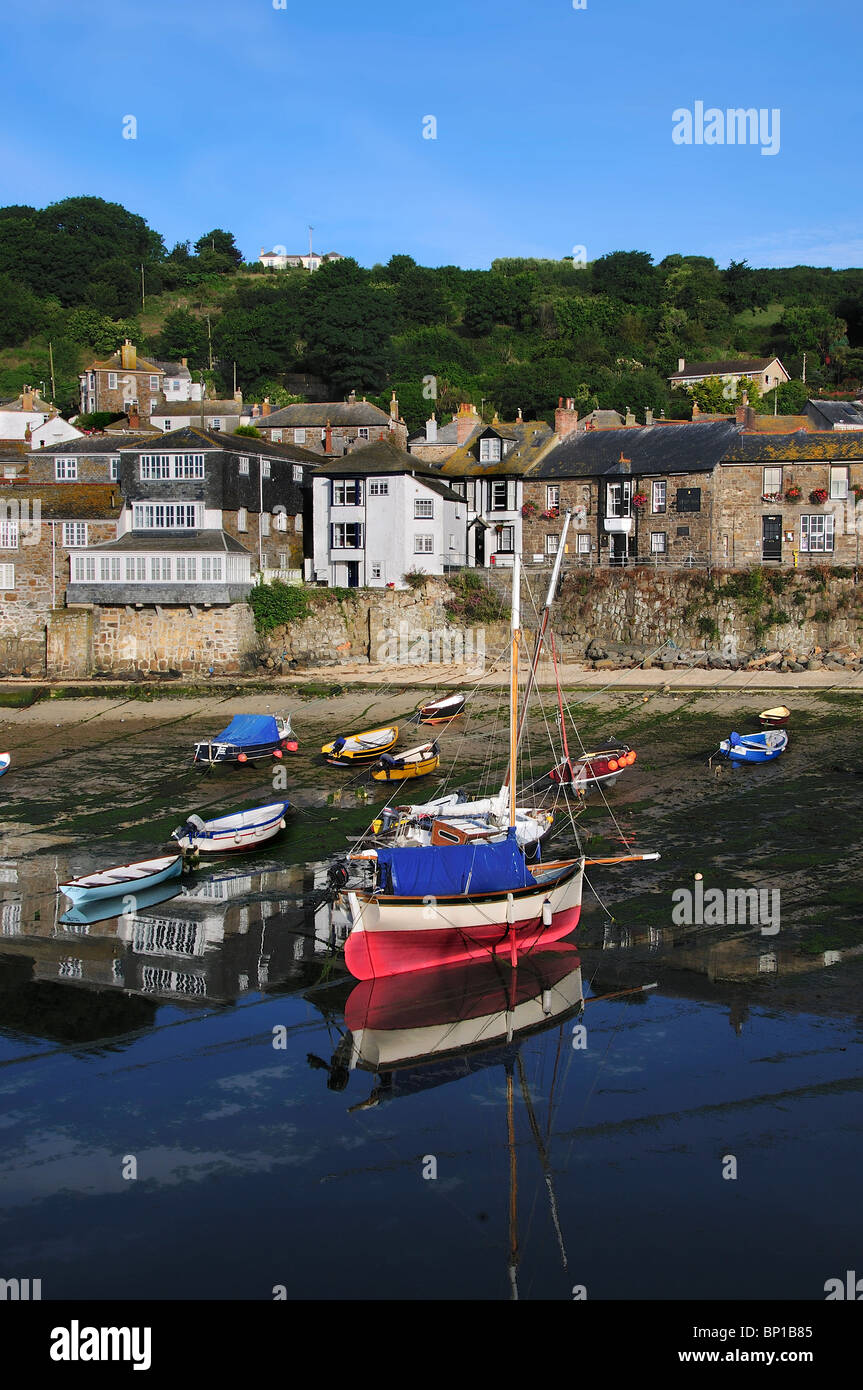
point(744, 288)
point(90, 328)
point(812, 329)
point(248, 432)
point(347, 325)
point(182, 335)
point(418, 297)
point(629, 276)
point(218, 253)
point(793, 396)
point(20, 312)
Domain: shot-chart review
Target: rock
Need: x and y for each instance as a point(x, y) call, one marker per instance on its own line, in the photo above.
point(814, 665)
point(605, 664)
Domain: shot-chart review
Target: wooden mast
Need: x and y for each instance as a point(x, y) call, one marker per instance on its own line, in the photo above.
point(513, 689)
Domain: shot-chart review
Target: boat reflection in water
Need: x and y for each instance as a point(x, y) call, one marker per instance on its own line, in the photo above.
point(406, 1024)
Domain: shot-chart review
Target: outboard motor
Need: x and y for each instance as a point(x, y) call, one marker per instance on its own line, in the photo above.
point(389, 816)
point(339, 743)
point(338, 874)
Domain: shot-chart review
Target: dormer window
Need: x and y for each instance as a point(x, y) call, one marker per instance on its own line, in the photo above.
point(489, 450)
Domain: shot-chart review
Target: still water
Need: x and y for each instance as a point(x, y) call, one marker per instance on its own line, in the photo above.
point(196, 1100)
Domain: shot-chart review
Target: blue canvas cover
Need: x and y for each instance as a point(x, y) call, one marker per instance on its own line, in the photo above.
point(246, 730)
point(443, 871)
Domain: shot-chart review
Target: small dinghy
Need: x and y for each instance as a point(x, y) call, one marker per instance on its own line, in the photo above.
point(360, 748)
point(441, 710)
point(5, 760)
point(104, 909)
point(755, 748)
point(416, 762)
point(606, 765)
point(775, 718)
point(241, 830)
point(248, 737)
point(127, 878)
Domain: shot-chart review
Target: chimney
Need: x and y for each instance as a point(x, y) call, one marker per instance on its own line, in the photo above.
point(265, 408)
point(629, 418)
point(519, 419)
point(431, 430)
point(648, 415)
point(745, 413)
point(27, 402)
point(134, 418)
point(263, 250)
point(565, 417)
point(184, 361)
point(238, 397)
point(28, 433)
point(394, 408)
point(681, 364)
point(128, 356)
point(328, 439)
point(465, 422)
point(696, 410)
point(352, 398)
point(625, 464)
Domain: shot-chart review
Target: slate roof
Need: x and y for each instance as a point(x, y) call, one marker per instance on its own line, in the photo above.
point(180, 540)
point(90, 444)
point(114, 362)
point(532, 438)
point(191, 408)
point(386, 456)
point(70, 501)
point(830, 413)
point(801, 447)
point(651, 449)
point(39, 407)
point(311, 414)
point(193, 437)
point(727, 366)
point(447, 434)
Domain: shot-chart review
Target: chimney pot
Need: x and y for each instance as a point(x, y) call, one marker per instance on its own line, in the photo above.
point(648, 415)
point(681, 364)
point(565, 417)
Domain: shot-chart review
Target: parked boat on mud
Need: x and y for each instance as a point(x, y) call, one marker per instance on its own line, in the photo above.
point(123, 879)
point(401, 767)
point(248, 738)
point(360, 748)
point(240, 830)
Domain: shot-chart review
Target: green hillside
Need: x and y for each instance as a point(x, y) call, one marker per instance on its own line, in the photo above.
point(515, 336)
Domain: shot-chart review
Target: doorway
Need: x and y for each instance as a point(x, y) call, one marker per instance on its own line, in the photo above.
point(771, 537)
point(353, 567)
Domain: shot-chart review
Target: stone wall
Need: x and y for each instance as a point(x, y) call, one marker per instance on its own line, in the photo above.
point(156, 641)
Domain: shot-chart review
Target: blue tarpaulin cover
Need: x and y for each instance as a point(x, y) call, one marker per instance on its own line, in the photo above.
point(245, 730)
point(442, 871)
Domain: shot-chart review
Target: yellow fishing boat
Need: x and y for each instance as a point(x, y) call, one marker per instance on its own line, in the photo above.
point(416, 762)
point(360, 748)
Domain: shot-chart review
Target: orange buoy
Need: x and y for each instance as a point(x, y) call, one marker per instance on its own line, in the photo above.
point(633, 755)
point(613, 764)
point(241, 758)
point(277, 753)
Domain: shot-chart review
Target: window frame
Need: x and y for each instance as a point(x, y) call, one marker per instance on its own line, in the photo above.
point(825, 529)
point(345, 526)
point(74, 526)
point(423, 543)
point(489, 449)
point(420, 503)
point(549, 548)
point(839, 469)
point(656, 536)
point(659, 489)
point(552, 497)
point(343, 484)
point(65, 470)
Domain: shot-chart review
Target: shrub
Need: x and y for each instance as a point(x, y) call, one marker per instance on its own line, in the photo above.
point(474, 601)
point(416, 579)
point(277, 604)
point(708, 627)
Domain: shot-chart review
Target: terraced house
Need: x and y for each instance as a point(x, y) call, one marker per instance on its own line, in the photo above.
point(330, 427)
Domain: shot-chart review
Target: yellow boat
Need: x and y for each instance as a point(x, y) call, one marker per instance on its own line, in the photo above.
point(360, 748)
point(416, 762)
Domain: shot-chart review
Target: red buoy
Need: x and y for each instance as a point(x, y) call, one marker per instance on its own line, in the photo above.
point(277, 753)
point(292, 746)
point(241, 758)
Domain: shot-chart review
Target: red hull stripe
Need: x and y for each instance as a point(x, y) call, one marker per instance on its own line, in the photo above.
point(371, 955)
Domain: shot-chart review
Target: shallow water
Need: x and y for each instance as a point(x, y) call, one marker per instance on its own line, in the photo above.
point(468, 1136)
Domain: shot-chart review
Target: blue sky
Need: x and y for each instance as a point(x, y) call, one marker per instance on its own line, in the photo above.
point(553, 124)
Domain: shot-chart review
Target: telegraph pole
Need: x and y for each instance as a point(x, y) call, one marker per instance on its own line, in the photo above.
point(210, 341)
point(142, 286)
point(51, 364)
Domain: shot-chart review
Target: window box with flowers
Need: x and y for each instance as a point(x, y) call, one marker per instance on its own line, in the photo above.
point(818, 495)
point(771, 497)
point(793, 494)
point(639, 500)
point(529, 510)
point(857, 489)
point(550, 514)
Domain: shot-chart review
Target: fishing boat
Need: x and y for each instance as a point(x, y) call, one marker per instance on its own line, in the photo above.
point(360, 748)
point(238, 831)
point(125, 879)
point(5, 760)
point(248, 738)
point(606, 765)
point(755, 748)
point(775, 718)
point(400, 767)
point(441, 710)
point(440, 903)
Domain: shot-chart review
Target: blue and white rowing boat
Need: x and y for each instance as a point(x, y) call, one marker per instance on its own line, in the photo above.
point(123, 880)
point(5, 760)
point(241, 830)
point(755, 748)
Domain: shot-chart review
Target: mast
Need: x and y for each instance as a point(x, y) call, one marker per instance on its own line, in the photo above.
point(540, 636)
point(509, 785)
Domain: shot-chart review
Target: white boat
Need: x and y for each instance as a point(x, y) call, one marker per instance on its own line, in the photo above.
point(238, 831)
point(454, 820)
point(126, 878)
point(5, 760)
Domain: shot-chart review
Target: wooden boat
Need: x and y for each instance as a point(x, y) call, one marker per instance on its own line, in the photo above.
point(441, 710)
point(755, 748)
point(606, 765)
point(247, 738)
point(123, 880)
point(103, 909)
point(435, 904)
point(454, 820)
point(360, 748)
point(238, 831)
point(775, 718)
point(5, 760)
point(399, 767)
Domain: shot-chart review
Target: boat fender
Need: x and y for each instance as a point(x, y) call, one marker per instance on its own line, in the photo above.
point(546, 913)
point(236, 837)
point(281, 825)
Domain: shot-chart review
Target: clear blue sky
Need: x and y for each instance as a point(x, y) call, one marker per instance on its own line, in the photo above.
point(553, 124)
